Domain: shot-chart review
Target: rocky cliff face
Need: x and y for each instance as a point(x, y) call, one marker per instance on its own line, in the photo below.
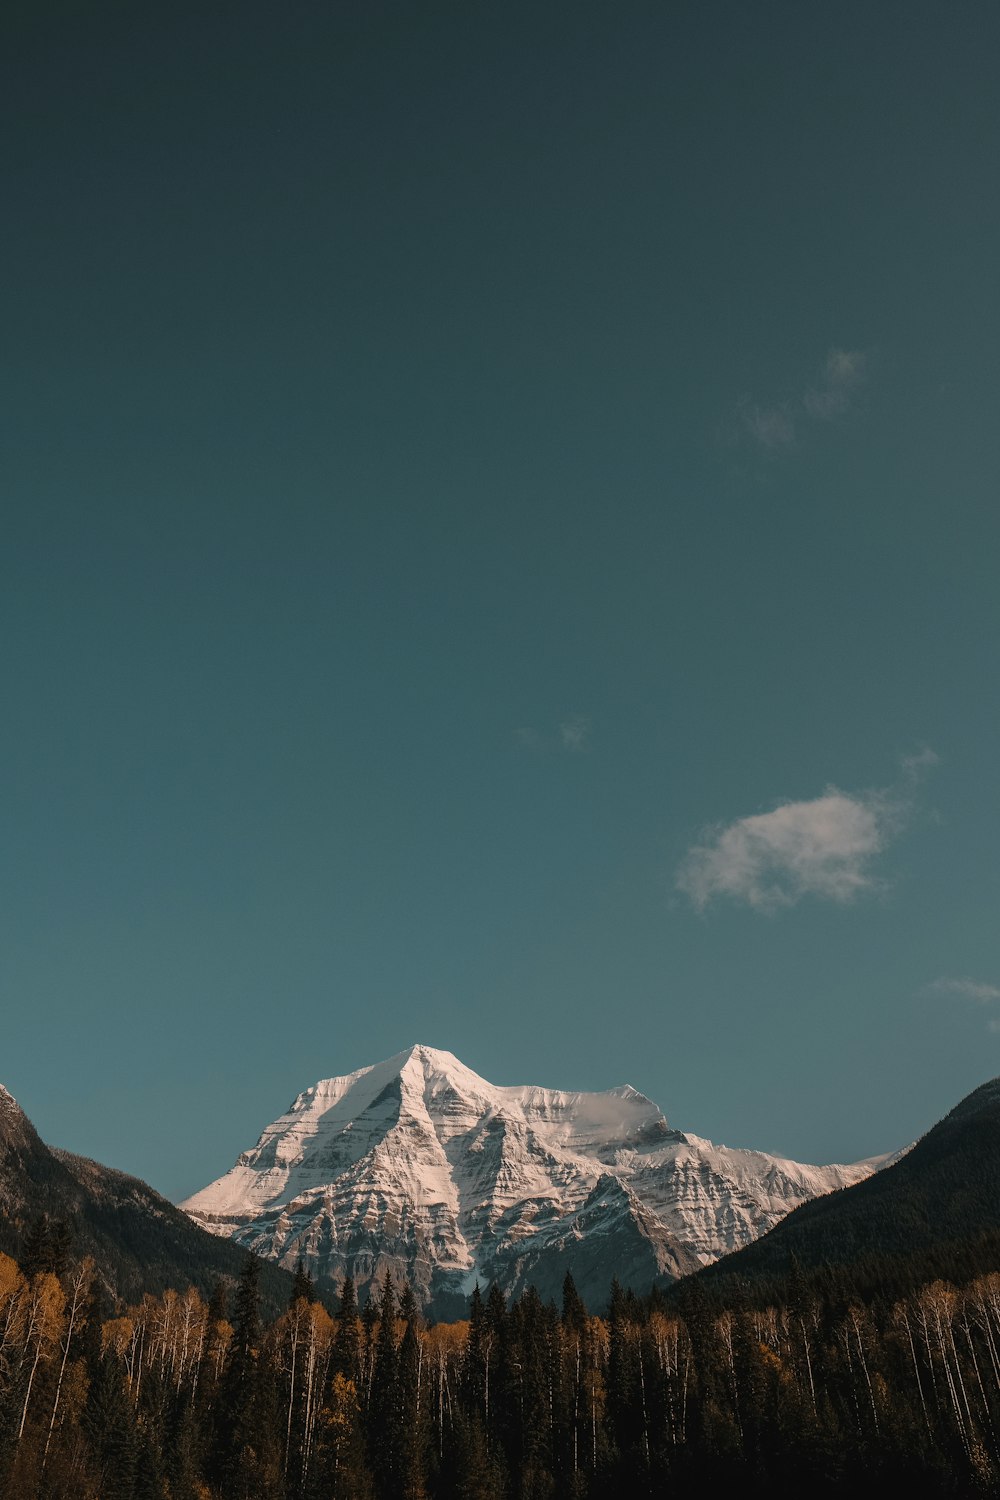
point(420, 1167)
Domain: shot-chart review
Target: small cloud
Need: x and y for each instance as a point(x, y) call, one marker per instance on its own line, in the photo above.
point(845, 369)
point(915, 767)
point(966, 989)
point(769, 860)
point(571, 735)
point(826, 405)
point(770, 426)
point(574, 733)
point(824, 847)
point(776, 425)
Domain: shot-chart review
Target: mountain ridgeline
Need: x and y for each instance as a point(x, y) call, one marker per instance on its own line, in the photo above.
point(419, 1167)
point(139, 1241)
point(856, 1366)
point(932, 1214)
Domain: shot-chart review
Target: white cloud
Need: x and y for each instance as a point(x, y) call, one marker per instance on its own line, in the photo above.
point(574, 733)
point(768, 860)
point(915, 767)
point(770, 426)
point(776, 425)
point(571, 735)
point(845, 369)
point(966, 989)
point(826, 847)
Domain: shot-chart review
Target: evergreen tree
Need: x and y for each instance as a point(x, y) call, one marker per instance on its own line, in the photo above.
point(414, 1409)
point(574, 1313)
point(407, 1304)
point(218, 1304)
point(182, 1449)
point(369, 1328)
point(347, 1347)
point(385, 1431)
point(475, 1365)
point(46, 1247)
point(340, 1471)
point(246, 1454)
point(496, 1310)
point(302, 1286)
point(109, 1423)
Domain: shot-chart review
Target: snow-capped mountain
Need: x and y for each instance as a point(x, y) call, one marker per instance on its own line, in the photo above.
point(419, 1166)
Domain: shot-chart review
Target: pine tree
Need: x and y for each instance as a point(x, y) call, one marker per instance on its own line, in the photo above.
point(108, 1421)
point(475, 1368)
point(340, 1471)
point(407, 1304)
point(302, 1286)
point(496, 1310)
point(246, 1454)
point(46, 1247)
point(413, 1416)
point(347, 1346)
point(218, 1304)
point(574, 1313)
point(384, 1418)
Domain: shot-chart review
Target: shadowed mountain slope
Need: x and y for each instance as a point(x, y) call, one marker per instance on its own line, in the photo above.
point(139, 1240)
point(934, 1213)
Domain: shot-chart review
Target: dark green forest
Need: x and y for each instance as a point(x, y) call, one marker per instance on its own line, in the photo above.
point(181, 1398)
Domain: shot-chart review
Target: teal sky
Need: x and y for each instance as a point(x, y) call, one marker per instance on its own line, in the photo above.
point(459, 463)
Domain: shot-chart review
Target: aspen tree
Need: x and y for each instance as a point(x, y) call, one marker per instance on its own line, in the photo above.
point(45, 1303)
point(79, 1287)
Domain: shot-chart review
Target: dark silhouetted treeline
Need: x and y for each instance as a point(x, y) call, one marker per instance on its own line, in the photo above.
point(182, 1398)
point(932, 1215)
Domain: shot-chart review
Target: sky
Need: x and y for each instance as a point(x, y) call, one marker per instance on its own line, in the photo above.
point(498, 549)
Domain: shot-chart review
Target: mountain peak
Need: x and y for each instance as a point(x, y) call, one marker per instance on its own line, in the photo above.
point(419, 1166)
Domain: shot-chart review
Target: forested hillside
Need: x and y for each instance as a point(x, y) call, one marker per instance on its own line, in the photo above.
point(179, 1398)
point(934, 1213)
point(138, 1240)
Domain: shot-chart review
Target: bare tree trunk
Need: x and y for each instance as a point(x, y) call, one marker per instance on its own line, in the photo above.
point(80, 1283)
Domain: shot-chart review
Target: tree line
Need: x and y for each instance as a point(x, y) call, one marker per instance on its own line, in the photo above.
point(179, 1397)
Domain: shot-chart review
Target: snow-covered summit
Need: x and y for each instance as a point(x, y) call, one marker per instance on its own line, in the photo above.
point(420, 1166)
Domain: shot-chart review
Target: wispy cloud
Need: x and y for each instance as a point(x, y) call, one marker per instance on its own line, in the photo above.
point(966, 989)
point(824, 847)
point(770, 426)
point(845, 370)
point(575, 733)
point(571, 735)
point(916, 766)
point(777, 424)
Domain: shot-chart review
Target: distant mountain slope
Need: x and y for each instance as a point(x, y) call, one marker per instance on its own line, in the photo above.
point(140, 1241)
point(935, 1212)
point(419, 1166)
